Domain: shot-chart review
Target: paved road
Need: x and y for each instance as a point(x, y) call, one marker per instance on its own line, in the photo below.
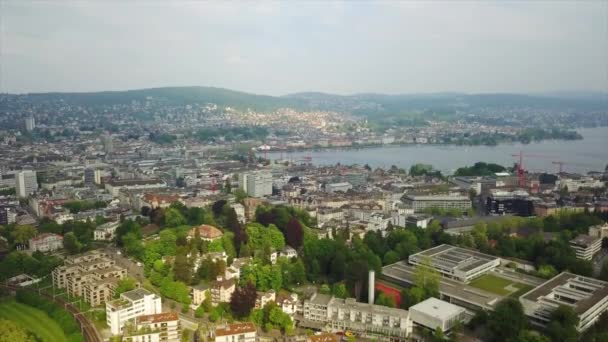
point(133, 269)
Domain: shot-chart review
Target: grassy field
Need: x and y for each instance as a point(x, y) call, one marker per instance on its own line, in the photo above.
point(33, 320)
point(497, 285)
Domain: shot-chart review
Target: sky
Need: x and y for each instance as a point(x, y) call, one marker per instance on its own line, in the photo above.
point(278, 48)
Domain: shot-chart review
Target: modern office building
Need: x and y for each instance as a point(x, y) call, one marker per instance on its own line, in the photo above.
point(586, 246)
point(46, 242)
point(423, 202)
point(588, 297)
point(30, 123)
point(256, 184)
point(26, 183)
point(161, 327)
point(237, 332)
point(434, 313)
point(108, 144)
point(89, 177)
point(455, 262)
point(130, 305)
point(369, 320)
point(501, 202)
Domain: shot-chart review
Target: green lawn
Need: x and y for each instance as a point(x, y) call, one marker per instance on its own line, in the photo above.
point(32, 319)
point(522, 288)
point(497, 285)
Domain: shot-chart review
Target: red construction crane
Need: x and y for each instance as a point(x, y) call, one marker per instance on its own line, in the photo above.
point(521, 172)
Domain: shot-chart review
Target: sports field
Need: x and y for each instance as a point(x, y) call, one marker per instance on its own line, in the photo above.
point(33, 320)
point(500, 286)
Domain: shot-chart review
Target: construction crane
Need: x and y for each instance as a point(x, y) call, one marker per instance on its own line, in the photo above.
point(521, 172)
point(562, 163)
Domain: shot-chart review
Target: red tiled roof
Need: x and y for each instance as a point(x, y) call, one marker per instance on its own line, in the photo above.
point(206, 231)
point(46, 235)
point(157, 318)
point(233, 329)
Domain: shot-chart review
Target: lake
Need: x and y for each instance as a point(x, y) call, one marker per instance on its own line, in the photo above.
point(588, 154)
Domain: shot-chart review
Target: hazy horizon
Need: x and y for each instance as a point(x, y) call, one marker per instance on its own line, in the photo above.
point(279, 48)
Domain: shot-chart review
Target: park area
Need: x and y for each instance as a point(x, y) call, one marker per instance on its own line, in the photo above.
point(500, 286)
point(32, 319)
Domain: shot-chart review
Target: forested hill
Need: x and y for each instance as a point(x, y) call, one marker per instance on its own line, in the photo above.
point(359, 104)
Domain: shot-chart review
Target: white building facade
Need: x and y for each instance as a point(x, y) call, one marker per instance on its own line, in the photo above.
point(130, 305)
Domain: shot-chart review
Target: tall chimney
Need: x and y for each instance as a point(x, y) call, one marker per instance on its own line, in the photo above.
point(371, 286)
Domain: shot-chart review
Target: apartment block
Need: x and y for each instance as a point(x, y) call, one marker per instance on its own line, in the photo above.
point(92, 276)
point(370, 320)
point(241, 332)
point(130, 305)
point(161, 327)
point(46, 242)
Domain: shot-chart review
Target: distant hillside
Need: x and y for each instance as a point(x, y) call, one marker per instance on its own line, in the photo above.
point(173, 95)
point(359, 104)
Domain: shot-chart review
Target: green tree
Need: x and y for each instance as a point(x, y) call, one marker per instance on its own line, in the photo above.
point(604, 271)
point(11, 332)
point(385, 300)
point(507, 321)
point(124, 285)
point(23, 234)
point(71, 243)
point(182, 269)
point(427, 277)
point(339, 290)
point(174, 218)
point(562, 325)
point(531, 336)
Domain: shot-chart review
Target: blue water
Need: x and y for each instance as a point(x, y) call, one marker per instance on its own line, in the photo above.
point(589, 154)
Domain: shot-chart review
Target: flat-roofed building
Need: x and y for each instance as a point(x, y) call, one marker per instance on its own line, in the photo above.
point(586, 246)
point(160, 327)
point(241, 332)
point(369, 320)
point(600, 230)
point(422, 202)
point(588, 297)
point(114, 186)
point(257, 183)
point(338, 187)
point(91, 275)
point(106, 231)
point(434, 313)
point(455, 262)
point(130, 305)
point(501, 202)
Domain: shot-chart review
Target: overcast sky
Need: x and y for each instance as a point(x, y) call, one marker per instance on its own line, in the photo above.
point(283, 47)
